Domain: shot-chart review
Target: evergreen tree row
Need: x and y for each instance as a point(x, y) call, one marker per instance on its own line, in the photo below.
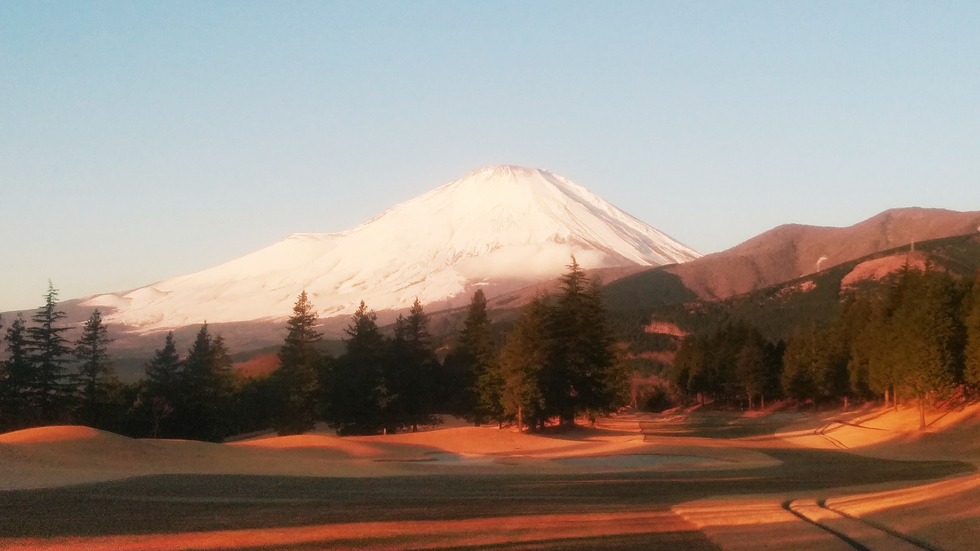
point(45, 379)
point(557, 363)
point(916, 340)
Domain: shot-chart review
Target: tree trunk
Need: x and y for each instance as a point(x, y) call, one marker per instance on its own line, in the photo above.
point(845, 403)
point(520, 419)
point(762, 399)
point(886, 397)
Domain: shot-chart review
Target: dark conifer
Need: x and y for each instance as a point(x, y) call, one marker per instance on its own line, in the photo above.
point(522, 358)
point(204, 408)
point(410, 371)
point(50, 353)
point(357, 394)
point(576, 379)
point(300, 360)
point(927, 326)
point(17, 407)
point(800, 364)
point(221, 366)
point(163, 371)
point(860, 323)
point(164, 385)
point(815, 365)
point(470, 362)
point(689, 372)
point(606, 383)
point(96, 378)
point(884, 349)
point(750, 368)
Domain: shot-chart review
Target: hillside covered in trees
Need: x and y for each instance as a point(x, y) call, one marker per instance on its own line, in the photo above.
point(914, 337)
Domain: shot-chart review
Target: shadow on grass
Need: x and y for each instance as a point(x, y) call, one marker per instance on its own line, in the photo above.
point(719, 425)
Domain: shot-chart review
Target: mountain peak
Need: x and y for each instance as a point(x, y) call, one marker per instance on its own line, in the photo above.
point(499, 227)
point(498, 171)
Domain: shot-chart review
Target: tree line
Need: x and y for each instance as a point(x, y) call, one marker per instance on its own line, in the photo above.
point(915, 339)
point(36, 385)
point(556, 363)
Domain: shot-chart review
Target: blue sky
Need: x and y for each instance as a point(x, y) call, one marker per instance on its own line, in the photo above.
point(140, 141)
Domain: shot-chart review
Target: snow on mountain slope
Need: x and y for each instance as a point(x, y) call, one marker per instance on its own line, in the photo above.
point(497, 223)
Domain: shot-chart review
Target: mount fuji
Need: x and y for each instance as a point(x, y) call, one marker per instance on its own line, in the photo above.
point(499, 228)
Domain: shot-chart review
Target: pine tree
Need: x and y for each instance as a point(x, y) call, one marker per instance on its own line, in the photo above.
point(410, 371)
point(164, 385)
point(471, 363)
point(861, 322)
point(577, 377)
point(163, 371)
point(566, 358)
point(300, 359)
point(358, 398)
point(887, 338)
point(223, 373)
point(690, 366)
point(204, 410)
point(17, 407)
point(192, 415)
point(773, 371)
point(604, 382)
point(750, 368)
point(49, 353)
point(884, 344)
point(96, 378)
point(815, 365)
point(929, 329)
point(799, 365)
point(831, 374)
point(522, 358)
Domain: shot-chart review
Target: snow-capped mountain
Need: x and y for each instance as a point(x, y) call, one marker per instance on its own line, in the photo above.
point(496, 225)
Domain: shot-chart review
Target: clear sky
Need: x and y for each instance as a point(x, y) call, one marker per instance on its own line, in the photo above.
point(143, 140)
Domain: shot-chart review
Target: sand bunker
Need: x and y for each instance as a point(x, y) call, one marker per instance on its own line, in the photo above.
point(342, 446)
point(51, 434)
point(59, 456)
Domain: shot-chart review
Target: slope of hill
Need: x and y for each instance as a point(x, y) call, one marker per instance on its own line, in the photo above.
point(777, 309)
point(791, 251)
point(500, 228)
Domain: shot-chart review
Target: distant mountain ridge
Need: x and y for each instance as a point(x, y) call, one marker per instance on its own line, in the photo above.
point(794, 250)
point(499, 228)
